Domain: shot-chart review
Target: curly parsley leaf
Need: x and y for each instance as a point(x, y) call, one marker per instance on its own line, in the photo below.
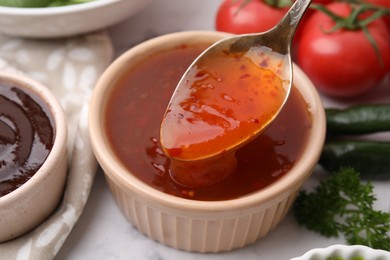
point(342, 204)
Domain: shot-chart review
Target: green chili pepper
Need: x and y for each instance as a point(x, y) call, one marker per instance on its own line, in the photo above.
point(370, 158)
point(357, 120)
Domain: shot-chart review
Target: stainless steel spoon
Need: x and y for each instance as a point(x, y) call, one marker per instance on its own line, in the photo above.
point(274, 47)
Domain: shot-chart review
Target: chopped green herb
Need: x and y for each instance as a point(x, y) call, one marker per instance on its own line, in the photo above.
point(343, 204)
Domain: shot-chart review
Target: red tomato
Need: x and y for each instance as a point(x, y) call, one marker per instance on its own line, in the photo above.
point(343, 63)
point(256, 16)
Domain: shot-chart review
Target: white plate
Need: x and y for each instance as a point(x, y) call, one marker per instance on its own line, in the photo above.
point(49, 22)
point(346, 252)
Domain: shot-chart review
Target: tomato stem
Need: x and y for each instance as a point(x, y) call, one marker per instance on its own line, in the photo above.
point(278, 3)
point(242, 5)
point(378, 13)
point(373, 44)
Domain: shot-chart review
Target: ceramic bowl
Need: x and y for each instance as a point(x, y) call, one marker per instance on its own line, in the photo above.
point(28, 205)
point(201, 226)
point(345, 252)
point(50, 22)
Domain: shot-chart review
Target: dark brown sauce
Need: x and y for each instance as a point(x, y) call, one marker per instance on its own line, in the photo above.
point(26, 136)
point(133, 117)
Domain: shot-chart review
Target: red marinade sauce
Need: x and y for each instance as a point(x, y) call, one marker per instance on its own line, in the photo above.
point(26, 136)
point(133, 117)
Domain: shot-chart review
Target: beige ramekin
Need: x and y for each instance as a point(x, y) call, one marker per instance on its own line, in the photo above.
point(29, 205)
point(200, 226)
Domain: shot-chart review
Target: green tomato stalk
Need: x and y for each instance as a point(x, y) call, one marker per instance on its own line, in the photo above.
point(278, 3)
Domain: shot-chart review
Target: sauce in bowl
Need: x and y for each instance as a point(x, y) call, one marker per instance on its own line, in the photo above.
point(133, 116)
point(26, 136)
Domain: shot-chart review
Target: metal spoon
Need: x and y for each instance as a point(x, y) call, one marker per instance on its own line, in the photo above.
point(270, 49)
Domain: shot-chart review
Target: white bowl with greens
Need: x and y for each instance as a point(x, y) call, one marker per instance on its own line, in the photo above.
point(344, 252)
point(60, 18)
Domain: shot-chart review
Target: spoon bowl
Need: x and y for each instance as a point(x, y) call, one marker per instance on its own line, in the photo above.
point(228, 96)
point(270, 50)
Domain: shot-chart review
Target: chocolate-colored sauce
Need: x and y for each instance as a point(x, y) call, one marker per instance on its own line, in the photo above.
point(26, 136)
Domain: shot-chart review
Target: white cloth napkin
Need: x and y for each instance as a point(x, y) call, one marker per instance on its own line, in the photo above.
point(69, 67)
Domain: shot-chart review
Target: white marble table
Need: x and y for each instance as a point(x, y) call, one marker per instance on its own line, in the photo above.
point(103, 232)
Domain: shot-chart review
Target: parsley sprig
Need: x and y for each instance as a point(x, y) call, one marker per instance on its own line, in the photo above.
point(342, 204)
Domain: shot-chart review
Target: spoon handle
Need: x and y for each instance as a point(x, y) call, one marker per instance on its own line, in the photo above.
point(279, 38)
point(289, 23)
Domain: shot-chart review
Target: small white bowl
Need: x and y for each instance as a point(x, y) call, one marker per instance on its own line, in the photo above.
point(61, 21)
point(346, 252)
point(201, 226)
point(28, 205)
